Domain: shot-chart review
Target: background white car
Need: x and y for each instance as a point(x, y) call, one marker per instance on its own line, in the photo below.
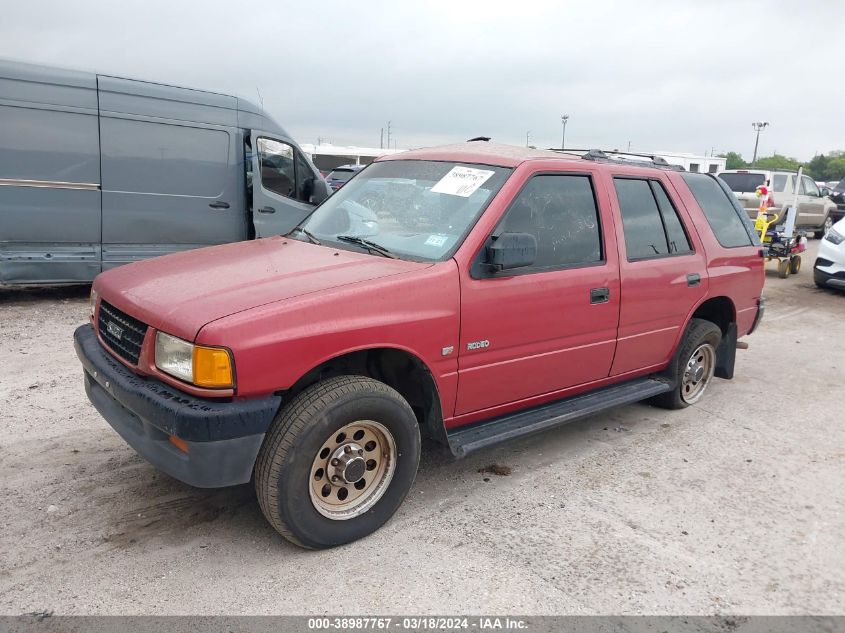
point(829, 270)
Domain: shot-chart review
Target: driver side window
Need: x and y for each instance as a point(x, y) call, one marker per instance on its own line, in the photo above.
point(560, 212)
point(808, 187)
point(276, 164)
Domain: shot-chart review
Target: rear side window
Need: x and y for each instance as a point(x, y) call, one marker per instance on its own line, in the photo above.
point(721, 213)
point(650, 223)
point(779, 182)
point(743, 183)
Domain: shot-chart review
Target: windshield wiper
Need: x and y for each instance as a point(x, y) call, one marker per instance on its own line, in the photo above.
point(308, 234)
point(370, 246)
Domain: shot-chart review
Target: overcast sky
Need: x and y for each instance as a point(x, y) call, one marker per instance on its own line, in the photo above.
point(668, 75)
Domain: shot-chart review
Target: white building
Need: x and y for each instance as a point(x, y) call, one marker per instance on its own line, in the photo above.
point(694, 162)
point(327, 156)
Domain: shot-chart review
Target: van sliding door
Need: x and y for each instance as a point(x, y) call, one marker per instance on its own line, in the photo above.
point(171, 170)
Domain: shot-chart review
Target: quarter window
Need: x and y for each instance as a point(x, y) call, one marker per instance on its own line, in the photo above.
point(722, 213)
point(649, 220)
point(560, 212)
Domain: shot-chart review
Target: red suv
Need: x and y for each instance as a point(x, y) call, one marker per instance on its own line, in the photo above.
point(491, 292)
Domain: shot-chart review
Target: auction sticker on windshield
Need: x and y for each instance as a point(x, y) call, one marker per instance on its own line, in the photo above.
point(462, 181)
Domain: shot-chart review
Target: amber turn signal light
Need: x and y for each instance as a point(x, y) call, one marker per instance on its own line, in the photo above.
point(212, 367)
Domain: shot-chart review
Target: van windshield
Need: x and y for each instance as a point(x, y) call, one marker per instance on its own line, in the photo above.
point(740, 183)
point(414, 209)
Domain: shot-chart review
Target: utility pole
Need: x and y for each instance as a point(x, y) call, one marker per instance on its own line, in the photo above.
point(528, 138)
point(629, 146)
point(758, 126)
point(388, 134)
point(381, 141)
point(563, 119)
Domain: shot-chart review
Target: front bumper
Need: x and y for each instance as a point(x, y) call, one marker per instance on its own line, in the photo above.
point(222, 438)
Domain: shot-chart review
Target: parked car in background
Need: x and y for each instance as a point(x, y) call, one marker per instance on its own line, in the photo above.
point(814, 209)
point(98, 171)
point(837, 196)
point(829, 269)
point(339, 176)
point(537, 288)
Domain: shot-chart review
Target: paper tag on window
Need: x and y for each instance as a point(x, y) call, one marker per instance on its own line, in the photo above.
point(462, 181)
point(436, 240)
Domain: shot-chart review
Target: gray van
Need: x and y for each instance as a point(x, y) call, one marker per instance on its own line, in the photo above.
point(98, 171)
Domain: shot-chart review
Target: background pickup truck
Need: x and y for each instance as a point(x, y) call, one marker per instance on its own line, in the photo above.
point(485, 293)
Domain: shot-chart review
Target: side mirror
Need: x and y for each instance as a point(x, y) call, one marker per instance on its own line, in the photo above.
point(320, 191)
point(824, 192)
point(512, 250)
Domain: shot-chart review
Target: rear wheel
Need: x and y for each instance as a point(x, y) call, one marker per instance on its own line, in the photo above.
point(696, 359)
point(794, 264)
point(337, 462)
point(783, 268)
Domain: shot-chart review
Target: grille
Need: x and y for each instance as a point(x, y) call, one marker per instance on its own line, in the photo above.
point(123, 333)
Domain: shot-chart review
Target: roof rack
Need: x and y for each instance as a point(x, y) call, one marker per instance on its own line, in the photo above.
point(607, 156)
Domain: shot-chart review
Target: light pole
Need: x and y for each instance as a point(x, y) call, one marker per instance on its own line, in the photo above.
point(758, 126)
point(563, 119)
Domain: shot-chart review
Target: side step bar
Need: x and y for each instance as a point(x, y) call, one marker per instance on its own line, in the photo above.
point(466, 440)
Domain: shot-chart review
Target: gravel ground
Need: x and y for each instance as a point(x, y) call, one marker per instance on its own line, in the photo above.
point(732, 506)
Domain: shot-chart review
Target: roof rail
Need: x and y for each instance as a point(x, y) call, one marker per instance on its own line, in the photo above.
point(607, 156)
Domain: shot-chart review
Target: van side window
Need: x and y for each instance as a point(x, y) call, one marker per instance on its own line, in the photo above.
point(561, 213)
point(778, 182)
point(275, 160)
point(649, 220)
point(722, 214)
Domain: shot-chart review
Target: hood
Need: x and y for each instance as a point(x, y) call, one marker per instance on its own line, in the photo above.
point(180, 293)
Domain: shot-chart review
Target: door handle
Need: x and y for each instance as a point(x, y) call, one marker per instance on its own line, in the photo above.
point(219, 204)
point(266, 210)
point(693, 279)
point(599, 295)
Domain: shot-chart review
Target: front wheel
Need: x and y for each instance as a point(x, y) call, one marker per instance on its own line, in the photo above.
point(828, 224)
point(696, 365)
point(794, 264)
point(337, 461)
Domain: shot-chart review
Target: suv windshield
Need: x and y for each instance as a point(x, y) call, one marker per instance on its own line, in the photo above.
point(415, 209)
point(841, 185)
point(341, 174)
point(743, 182)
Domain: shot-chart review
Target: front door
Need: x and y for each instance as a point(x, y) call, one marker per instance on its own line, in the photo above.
point(663, 270)
point(540, 329)
point(283, 185)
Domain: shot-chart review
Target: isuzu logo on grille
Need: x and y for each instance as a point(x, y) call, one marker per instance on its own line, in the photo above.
point(115, 330)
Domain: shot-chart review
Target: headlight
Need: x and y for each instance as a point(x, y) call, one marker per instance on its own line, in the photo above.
point(93, 300)
point(202, 366)
point(833, 236)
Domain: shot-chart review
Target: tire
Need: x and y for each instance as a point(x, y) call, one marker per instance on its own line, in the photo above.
point(783, 268)
point(794, 264)
point(699, 334)
point(828, 224)
point(295, 452)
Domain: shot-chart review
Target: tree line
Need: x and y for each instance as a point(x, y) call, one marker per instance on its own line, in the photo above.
point(822, 167)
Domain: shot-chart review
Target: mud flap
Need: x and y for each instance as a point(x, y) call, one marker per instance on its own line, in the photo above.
point(726, 354)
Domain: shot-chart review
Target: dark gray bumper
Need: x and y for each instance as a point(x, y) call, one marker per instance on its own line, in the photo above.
point(223, 438)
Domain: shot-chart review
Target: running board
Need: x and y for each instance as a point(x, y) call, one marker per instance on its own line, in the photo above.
point(464, 441)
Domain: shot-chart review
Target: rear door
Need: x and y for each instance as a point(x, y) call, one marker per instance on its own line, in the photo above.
point(811, 207)
point(663, 270)
point(544, 328)
point(283, 185)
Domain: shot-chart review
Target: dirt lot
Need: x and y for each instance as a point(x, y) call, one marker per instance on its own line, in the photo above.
point(733, 506)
